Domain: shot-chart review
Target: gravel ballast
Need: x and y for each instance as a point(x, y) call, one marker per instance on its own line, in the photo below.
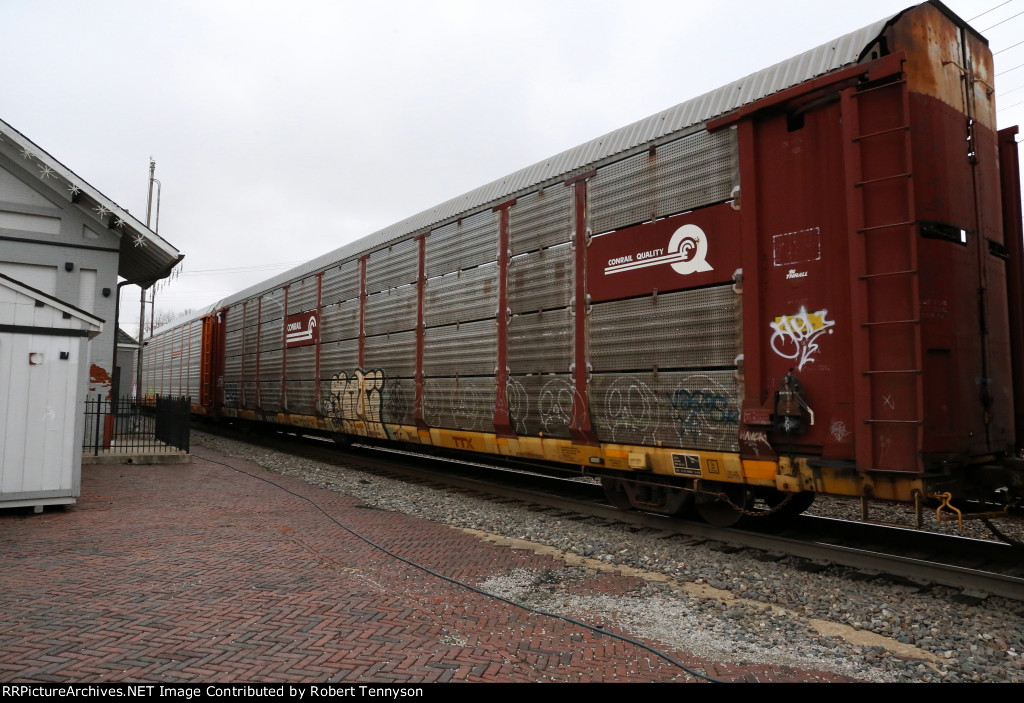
point(706, 599)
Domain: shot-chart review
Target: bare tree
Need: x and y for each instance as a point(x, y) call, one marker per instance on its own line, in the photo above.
point(164, 317)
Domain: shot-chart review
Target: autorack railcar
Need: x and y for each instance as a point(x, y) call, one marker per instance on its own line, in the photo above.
point(806, 281)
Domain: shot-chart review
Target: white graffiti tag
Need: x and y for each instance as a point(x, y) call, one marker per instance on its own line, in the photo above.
point(470, 405)
point(838, 431)
point(559, 403)
point(631, 411)
point(794, 335)
point(518, 405)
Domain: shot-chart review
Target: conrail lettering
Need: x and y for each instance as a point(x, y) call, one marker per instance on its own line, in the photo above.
point(639, 256)
point(294, 326)
point(686, 253)
point(648, 254)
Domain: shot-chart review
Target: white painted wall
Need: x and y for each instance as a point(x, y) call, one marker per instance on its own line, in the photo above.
point(42, 278)
point(40, 401)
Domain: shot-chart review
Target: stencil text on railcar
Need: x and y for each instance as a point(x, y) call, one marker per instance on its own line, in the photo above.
point(687, 253)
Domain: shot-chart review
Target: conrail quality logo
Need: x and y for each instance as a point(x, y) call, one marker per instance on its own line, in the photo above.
point(297, 332)
point(300, 329)
point(686, 253)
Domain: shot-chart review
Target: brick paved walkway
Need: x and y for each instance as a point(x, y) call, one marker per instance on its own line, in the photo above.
point(198, 573)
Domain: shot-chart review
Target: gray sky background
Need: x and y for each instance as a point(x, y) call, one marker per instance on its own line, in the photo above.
point(284, 130)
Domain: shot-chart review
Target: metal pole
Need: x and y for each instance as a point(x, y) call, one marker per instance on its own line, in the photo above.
point(142, 290)
point(156, 228)
point(117, 323)
point(96, 440)
point(142, 326)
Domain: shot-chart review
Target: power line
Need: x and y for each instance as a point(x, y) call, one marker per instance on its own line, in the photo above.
point(990, 10)
point(243, 269)
point(1010, 69)
point(1008, 48)
point(999, 23)
point(193, 293)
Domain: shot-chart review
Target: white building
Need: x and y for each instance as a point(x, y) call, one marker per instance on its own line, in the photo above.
point(63, 248)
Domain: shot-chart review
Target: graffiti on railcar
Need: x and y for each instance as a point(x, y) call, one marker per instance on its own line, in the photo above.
point(697, 410)
point(469, 405)
point(839, 431)
point(795, 336)
point(465, 405)
point(631, 411)
point(397, 408)
point(545, 405)
point(704, 412)
point(559, 404)
point(232, 392)
point(355, 404)
point(518, 400)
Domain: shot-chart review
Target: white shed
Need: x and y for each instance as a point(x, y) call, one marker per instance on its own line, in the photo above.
point(44, 356)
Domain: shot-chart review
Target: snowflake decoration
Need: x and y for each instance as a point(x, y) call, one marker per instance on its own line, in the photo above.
point(119, 222)
point(139, 240)
point(101, 211)
point(27, 153)
point(45, 172)
point(74, 189)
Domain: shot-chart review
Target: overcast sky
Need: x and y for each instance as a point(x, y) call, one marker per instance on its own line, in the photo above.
point(284, 130)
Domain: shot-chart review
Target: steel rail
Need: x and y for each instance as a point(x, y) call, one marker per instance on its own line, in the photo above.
point(972, 582)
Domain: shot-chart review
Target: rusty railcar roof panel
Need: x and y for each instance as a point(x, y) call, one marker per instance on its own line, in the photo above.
point(692, 114)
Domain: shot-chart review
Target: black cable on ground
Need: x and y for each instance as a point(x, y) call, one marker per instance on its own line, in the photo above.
point(1001, 535)
point(467, 586)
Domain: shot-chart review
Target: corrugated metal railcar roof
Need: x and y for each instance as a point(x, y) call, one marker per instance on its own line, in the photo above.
point(194, 315)
point(692, 114)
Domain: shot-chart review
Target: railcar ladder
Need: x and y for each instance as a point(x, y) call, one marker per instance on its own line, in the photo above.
point(885, 298)
point(206, 371)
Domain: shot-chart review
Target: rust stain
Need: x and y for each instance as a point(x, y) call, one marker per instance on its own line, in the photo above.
point(99, 377)
point(935, 62)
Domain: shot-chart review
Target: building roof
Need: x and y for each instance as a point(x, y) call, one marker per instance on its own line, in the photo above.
point(145, 256)
point(71, 315)
point(125, 339)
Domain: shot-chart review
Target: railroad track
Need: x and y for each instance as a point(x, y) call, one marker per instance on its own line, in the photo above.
point(978, 568)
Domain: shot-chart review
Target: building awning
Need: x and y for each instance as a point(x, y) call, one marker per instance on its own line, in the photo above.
point(126, 340)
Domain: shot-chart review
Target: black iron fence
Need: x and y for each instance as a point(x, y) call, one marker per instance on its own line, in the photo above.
point(128, 426)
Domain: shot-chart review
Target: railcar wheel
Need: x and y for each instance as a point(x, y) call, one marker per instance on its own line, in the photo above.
point(728, 510)
point(654, 497)
point(782, 507)
point(669, 501)
point(615, 493)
